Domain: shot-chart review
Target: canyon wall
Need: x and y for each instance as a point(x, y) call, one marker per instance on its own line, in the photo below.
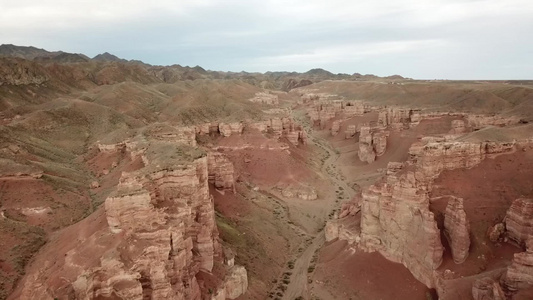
point(519, 274)
point(396, 220)
point(160, 234)
point(279, 126)
point(221, 171)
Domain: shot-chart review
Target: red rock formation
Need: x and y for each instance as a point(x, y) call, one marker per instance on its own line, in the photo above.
point(236, 282)
point(519, 220)
point(396, 118)
point(487, 289)
point(458, 126)
point(397, 222)
point(480, 121)
point(265, 98)
point(180, 135)
point(353, 108)
point(371, 144)
point(457, 230)
point(161, 233)
point(395, 213)
point(366, 149)
point(303, 137)
point(335, 126)
point(309, 97)
point(230, 128)
point(379, 142)
point(325, 111)
point(221, 171)
point(350, 132)
point(519, 274)
point(276, 125)
point(495, 233)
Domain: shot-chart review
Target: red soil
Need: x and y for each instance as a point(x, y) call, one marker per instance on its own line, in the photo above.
point(348, 274)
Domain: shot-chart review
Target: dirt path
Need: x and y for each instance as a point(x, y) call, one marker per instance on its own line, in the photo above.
point(302, 267)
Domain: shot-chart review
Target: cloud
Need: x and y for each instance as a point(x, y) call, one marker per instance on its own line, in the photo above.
point(417, 38)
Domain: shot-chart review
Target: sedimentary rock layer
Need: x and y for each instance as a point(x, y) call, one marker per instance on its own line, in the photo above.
point(161, 231)
point(457, 230)
point(519, 220)
point(395, 212)
point(221, 171)
point(519, 274)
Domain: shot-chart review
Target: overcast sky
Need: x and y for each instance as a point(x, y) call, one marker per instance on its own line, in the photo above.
point(423, 39)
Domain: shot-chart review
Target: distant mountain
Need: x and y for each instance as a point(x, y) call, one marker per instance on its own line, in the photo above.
point(9, 50)
point(64, 57)
point(319, 72)
point(41, 55)
point(106, 68)
point(106, 56)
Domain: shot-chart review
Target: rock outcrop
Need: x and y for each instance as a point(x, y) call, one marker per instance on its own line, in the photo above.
point(487, 288)
point(366, 151)
point(353, 108)
point(350, 132)
point(457, 230)
point(175, 134)
point(160, 234)
point(395, 118)
point(335, 126)
point(265, 98)
point(236, 282)
point(379, 142)
point(519, 274)
point(519, 220)
point(221, 171)
point(480, 121)
point(495, 233)
point(279, 127)
point(178, 241)
point(16, 71)
point(396, 219)
point(371, 144)
point(458, 127)
point(227, 129)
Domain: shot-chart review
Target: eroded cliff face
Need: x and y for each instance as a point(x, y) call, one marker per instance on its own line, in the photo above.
point(161, 224)
point(227, 129)
point(265, 98)
point(519, 274)
point(322, 108)
point(221, 171)
point(371, 144)
point(278, 126)
point(366, 151)
point(168, 215)
point(457, 229)
point(396, 219)
point(519, 220)
point(487, 288)
point(335, 126)
point(396, 118)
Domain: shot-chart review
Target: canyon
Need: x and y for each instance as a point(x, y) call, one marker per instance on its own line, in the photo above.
point(128, 181)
